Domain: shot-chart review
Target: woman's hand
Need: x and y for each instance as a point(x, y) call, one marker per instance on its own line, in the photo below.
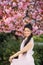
point(11, 58)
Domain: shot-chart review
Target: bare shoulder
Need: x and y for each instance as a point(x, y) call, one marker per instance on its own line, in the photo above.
point(31, 43)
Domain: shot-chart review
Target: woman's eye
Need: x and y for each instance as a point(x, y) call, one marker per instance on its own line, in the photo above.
point(27, 31)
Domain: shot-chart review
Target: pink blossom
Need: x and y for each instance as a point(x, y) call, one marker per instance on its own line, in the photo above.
point(25, 5)
point(14, 4)
point(38, 17)
point(1, 12)
point(20, 5)
point(7, 20)
point(23, 0)
point(8, 10)
point(1, 31)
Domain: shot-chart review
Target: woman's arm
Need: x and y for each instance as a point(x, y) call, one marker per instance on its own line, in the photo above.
point(25, 49)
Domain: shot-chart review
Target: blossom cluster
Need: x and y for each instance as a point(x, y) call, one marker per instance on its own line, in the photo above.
point(15, 13)
point(37, 28)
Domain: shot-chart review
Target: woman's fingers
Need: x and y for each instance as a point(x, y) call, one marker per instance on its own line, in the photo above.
point(10, 59)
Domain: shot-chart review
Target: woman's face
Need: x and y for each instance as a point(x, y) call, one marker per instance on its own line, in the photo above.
point(27, 32)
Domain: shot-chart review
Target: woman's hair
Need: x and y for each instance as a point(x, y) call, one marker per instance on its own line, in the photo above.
point(28, 26)
point(31, 35)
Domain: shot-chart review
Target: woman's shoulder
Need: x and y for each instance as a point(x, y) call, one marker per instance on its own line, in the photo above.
point(32, 40)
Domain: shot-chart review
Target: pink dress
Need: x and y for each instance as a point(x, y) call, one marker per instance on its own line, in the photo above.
point(27, 58)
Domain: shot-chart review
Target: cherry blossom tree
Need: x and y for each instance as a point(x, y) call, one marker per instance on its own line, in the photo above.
point(14, 14)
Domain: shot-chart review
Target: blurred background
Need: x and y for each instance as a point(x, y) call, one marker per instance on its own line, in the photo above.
point(14, 15)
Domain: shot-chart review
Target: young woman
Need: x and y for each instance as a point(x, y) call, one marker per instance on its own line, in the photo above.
point(26, 50)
